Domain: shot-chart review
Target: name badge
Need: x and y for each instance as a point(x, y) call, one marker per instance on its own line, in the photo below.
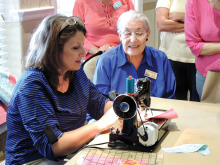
point(117, 5)
point(151, 74)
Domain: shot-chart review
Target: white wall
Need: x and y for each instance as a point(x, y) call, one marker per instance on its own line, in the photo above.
point(65, 7)
point(23, 17)
point(148, 8)
point(150, 12)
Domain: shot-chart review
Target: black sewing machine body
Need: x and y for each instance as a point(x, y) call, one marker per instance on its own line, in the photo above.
point(145, 137)
point(120, 140)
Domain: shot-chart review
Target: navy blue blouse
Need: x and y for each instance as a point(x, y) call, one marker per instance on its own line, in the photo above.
point(34, 105)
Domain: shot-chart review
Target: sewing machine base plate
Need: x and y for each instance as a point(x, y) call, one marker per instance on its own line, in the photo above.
point(118, 142)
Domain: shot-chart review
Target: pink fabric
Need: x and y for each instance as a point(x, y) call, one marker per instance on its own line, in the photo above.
point(202, 24)
point(170, 114)
point(100, 21)
point(12, 79)
point(3, 112)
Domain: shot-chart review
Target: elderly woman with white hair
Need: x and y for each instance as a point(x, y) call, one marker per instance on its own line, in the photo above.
point(133, 57)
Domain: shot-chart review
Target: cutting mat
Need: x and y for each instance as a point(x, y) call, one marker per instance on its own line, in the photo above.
point(92, 156)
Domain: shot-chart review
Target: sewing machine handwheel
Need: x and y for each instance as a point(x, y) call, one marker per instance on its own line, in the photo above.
point(125, 106)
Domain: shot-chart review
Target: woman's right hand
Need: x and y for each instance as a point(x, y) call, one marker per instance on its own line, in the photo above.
point(93, 50)
point(105, 48)
point(177, 16)
point(107, 120)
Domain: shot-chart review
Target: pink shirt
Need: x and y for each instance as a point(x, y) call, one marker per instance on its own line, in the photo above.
point(100, 21)
point(202, 24)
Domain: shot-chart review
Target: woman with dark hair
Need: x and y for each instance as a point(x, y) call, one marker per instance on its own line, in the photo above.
point(45, 120)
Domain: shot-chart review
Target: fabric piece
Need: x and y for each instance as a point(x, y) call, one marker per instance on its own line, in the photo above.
point(189, 148)
point(7, 82)
point(12, 79)
point(113, 67)
point(170, 114)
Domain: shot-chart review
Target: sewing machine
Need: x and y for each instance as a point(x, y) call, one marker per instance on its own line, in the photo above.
point(136, 135)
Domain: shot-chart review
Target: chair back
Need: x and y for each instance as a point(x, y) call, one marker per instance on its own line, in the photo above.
point(7, 82)
point(211, 89)
point(89, 66)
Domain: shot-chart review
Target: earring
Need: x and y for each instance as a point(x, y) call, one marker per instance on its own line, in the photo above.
point(147, 39)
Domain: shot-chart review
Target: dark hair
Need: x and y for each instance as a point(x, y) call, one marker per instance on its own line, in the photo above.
point(46, 46)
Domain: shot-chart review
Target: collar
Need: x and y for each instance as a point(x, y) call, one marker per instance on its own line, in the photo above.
point(148, 56)
point(111, 1)
point(121, 57)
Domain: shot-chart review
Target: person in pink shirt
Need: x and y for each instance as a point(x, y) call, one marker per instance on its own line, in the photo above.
point(100, 18)
point(202, 30)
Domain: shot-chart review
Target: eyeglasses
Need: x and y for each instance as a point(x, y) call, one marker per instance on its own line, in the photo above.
point(138, 34)
point(70, 21)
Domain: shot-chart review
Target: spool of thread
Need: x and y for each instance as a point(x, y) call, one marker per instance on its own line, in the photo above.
point(130, 85)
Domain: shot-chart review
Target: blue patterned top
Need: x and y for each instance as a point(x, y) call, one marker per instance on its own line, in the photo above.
point(34, 104)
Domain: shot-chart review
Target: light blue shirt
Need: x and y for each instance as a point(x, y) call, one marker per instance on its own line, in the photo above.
point(113, 67)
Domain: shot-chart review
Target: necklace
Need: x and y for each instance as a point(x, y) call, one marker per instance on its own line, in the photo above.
point(105, 2)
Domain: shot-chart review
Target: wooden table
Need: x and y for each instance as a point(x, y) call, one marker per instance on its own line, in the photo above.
point(198, 123)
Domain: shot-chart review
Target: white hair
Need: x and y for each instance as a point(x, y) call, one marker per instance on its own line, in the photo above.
point(132, 15)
